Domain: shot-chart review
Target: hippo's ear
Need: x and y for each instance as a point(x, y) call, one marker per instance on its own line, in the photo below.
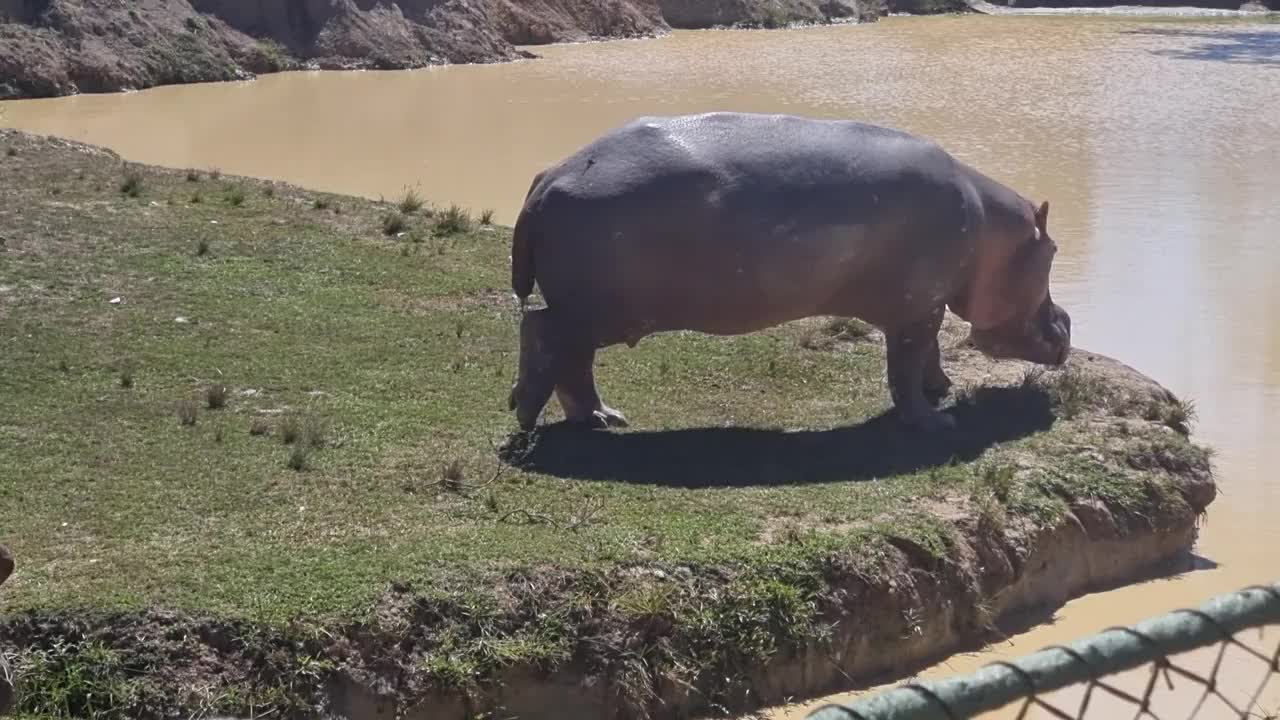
point(1042, 218)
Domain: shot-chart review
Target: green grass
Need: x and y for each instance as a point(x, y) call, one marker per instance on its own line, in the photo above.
point(236, 195)
point(131, 185)
point(331, 425)
point(394, 223)
point(454, 220)
point(411, 202)
point(73, 680)
point(188, 412)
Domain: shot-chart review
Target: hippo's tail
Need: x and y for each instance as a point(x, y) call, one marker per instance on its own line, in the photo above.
point(522, 239)
point(522, 277)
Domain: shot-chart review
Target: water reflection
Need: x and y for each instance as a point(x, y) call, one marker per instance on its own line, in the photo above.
point(1258, 47)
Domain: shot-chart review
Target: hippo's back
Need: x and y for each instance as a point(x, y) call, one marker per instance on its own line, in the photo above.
point(773, 209)
point(743, 154)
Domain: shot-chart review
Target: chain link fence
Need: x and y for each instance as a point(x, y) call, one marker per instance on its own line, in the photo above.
point(1221, 660)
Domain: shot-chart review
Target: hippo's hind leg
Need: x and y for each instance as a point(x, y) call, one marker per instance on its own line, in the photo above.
point(912, 355)
point(535, 379)
point(577, 392)
point(552, 359)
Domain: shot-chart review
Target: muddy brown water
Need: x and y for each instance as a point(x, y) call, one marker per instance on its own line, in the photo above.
point(1156, 140)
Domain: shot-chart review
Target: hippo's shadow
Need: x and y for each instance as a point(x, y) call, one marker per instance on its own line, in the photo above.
point(742, 457)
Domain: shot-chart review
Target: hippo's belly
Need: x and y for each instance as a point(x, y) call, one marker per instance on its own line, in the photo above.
point(726, 281)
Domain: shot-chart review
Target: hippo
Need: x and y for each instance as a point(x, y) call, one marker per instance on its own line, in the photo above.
point(729, 223)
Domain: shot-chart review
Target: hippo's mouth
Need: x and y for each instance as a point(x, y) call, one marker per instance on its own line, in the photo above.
point(1046, 340)
point(1064, 353)
point(1057, 329)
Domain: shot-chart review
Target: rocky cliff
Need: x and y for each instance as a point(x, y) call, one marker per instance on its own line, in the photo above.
point(60, 47)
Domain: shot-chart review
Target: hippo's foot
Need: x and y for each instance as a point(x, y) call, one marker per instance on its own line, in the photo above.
point(535, 378)
point(916, 379)
point(610, 417)
point(576, 390)
point(528, 400)
point(603, 417)
point(937, 386)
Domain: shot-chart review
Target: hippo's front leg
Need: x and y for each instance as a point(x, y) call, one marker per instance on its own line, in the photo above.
point(936, 382)
point(912, 350)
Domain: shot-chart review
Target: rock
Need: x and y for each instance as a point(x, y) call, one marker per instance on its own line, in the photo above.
point(755, 13)
point(536, 22)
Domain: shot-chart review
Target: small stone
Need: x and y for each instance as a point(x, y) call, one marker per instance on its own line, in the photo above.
point(116, 300)
point(181, 320)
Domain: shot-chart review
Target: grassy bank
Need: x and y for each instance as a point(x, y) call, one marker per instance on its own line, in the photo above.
point(255, 448)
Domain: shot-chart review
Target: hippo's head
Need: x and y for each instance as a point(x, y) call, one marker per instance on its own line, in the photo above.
point(1022, 321)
